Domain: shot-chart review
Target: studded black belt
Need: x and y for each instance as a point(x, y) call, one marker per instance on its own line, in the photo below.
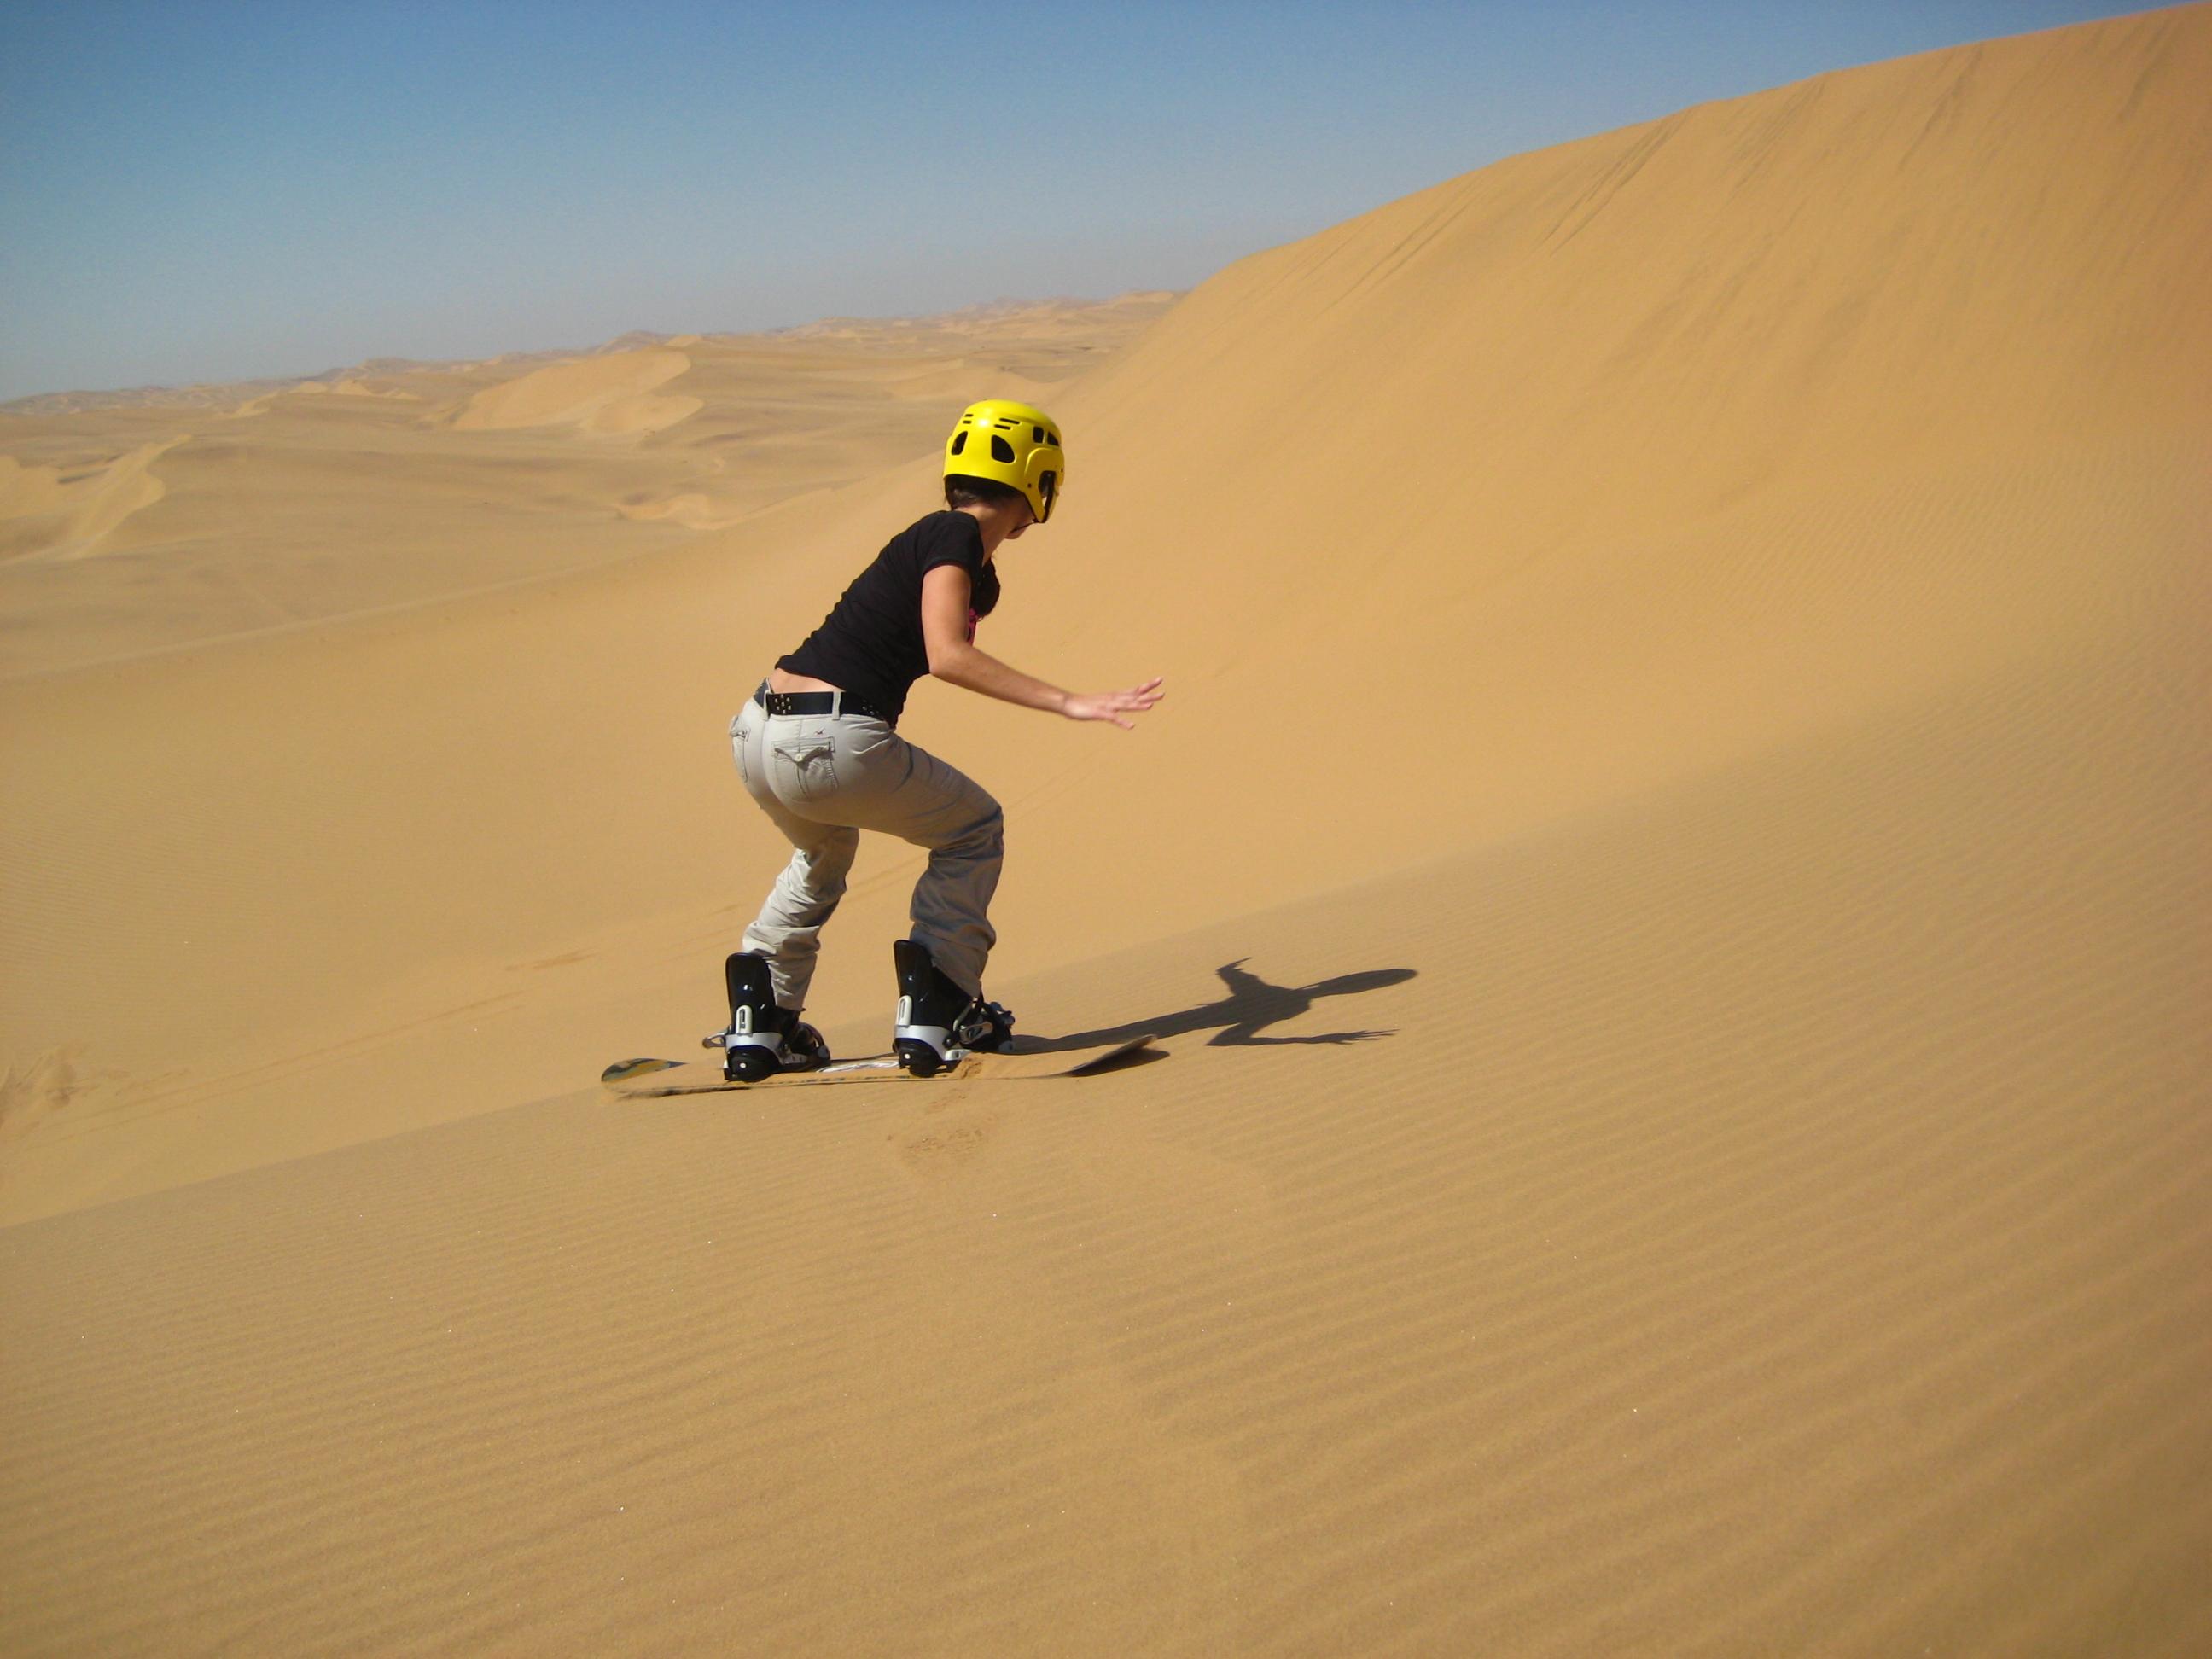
point(815, 703)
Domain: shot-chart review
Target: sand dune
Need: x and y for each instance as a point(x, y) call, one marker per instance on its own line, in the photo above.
point(1645, 1279)
point(348, 387)
point(1670, 883)
point(944, 386)
point(599, 394)
point(64, 512)
point(401, 483)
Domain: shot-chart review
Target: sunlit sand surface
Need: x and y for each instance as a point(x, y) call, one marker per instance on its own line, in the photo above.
point(1671, 881)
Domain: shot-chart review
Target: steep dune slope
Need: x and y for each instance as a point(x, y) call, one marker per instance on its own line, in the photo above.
point(1626, 455)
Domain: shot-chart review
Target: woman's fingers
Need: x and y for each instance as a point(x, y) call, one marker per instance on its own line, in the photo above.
point(1112, 705)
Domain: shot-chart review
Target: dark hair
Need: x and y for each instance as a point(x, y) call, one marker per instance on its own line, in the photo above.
point(960, 489)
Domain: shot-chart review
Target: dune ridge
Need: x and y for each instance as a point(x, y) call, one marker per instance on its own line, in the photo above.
point(44, 515)
point(1670, 883)
point(599, 394)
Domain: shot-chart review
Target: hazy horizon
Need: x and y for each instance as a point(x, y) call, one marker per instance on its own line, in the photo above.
point(249, 193)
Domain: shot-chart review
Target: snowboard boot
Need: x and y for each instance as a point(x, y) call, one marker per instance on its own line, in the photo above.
point(937, 1023)
point(762, 1039)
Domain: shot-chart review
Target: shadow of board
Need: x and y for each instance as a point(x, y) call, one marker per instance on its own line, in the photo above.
point(1238, 1019)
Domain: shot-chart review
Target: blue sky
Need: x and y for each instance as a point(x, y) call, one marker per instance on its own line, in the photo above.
point(207, 190)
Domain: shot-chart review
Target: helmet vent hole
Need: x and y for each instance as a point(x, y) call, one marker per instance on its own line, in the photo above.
point(959, 443)
point(1037, 435)
point(1001, 449)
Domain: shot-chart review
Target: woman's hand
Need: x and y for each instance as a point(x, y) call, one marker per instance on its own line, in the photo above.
point(1112, 705)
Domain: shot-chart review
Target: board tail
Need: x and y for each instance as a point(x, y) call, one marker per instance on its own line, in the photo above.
point(625, 1069)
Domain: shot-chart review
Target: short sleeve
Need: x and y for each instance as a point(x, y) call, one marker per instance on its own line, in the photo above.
point(955, 538)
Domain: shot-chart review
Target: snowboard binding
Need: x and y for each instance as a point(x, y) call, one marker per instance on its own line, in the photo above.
point(762, 1039)
point(937, 1023)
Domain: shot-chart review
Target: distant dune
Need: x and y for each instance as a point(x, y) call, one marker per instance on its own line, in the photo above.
point(61, 512)
point(600, 394)
point(1670, 883)
point(397, 483)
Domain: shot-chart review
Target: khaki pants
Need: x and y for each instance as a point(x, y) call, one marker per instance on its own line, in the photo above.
point(822, 779)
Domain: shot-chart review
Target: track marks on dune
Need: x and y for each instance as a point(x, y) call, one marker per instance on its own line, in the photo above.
point(122, 1097)
point(1595, 199)
point(39, 1088)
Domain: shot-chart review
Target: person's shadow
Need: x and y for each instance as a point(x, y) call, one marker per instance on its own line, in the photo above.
point(1237, 1019)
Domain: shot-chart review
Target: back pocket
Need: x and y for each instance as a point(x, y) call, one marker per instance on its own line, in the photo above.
point(805, 767)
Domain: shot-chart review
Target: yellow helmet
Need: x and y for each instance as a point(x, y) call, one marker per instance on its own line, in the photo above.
point(1012, 444)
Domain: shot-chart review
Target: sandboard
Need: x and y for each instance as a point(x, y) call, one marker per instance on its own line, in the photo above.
point(692, 1076)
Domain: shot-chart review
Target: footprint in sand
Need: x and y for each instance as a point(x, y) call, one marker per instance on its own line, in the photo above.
point(942, 1148)
point(33, 1092)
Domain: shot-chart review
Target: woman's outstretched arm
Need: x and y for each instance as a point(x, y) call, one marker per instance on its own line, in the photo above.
point(954, 659)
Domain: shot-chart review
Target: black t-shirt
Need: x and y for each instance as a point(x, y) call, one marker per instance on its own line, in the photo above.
point(871, 642)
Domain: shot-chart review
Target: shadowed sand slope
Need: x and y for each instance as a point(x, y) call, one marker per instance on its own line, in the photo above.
point(1688, 714)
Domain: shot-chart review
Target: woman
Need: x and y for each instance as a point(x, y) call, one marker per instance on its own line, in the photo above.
point(818, 749)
